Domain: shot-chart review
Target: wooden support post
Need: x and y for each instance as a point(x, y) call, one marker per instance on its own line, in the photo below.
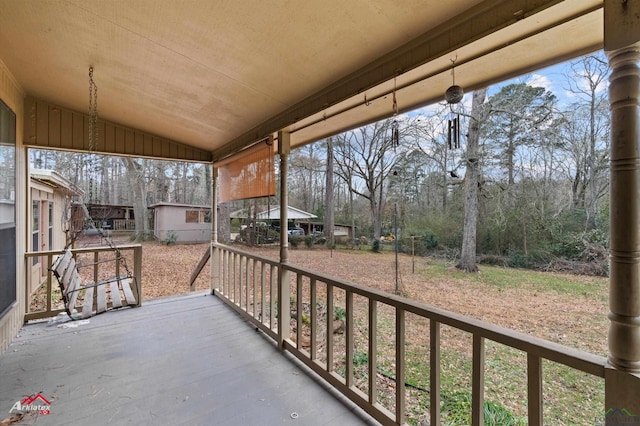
point(622, 45)
point(284, 286)
point(215, 252)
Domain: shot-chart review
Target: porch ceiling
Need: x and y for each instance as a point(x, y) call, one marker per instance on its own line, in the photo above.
point(218, 75)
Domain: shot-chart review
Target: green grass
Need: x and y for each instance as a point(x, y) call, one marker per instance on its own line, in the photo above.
point(570, 397)
point(508, 278)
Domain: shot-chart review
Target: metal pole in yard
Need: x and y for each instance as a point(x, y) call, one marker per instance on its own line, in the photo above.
point(395, 232)
point(413, 255)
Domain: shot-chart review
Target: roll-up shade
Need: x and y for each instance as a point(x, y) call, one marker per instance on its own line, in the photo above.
point(247, 174)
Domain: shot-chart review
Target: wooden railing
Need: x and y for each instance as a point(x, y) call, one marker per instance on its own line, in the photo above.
point(99, 268)
point(250, 285)
point(124, 225)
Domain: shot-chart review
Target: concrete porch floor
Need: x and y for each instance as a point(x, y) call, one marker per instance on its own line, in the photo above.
point(182, 360)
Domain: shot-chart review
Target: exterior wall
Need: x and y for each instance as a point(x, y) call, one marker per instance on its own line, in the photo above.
point(45, 195)
point(171, 220)
point(12, 95)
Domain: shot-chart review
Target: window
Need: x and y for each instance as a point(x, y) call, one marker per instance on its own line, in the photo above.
point(192, 216)
point(7, 208)
point(198, 216)
point(35, 242)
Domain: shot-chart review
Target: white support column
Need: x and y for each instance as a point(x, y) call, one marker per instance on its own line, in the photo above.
point(215, 253)
point(622, 37)
point(284, 288)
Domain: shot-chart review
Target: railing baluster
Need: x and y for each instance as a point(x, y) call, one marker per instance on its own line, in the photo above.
point(477, 384)
point(272, 307)
point(49, 281)
point(232, 276)
point(400, 362)
point(349, 343)
point(534, 389)
point(236, 258)
point(229, 275)
point(262, 311)
point(314, 318)
point(247, 283)
point(137, 271)
point(225, 268)
point(240, 282)
point(373, 351)
point(95, 266)
point(223, 272)
point(299, 322)
point(434, 372)
point(330, 314)
point(255, 286)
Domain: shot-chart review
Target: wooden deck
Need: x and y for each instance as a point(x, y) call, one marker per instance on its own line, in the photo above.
point(184, 360)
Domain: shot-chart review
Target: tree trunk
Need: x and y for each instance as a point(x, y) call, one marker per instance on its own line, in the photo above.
point(135, 177)
point(328, 196)
point(468, 252)
point(224, 223)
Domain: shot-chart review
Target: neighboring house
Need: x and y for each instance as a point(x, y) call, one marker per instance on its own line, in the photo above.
point(341, 233)
point(104, 216)
point(51, 198)
point(185, 223)
point(272, 215)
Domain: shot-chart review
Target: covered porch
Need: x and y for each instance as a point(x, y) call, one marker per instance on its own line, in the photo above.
point(182, 85)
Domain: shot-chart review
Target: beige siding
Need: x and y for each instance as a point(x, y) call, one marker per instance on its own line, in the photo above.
point(172, 219)
point(51, 126)
point(12, 95)
point(45, 195)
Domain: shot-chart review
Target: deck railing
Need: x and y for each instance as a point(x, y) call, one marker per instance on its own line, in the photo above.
point(100, 261)
point(326, 342)
point(124, 225)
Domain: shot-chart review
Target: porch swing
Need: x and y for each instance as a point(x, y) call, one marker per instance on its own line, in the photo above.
point(85, 299)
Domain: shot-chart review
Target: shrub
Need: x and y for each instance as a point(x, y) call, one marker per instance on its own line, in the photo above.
point(295, 240)
point(430, 240)
point(360, 358)
point(171, 238)
point(308, 241)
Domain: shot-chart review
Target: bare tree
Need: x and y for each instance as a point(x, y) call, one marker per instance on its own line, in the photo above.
point(479, 114)
point(367, 155)
point(328, 196)
point(586, 135)
point(135, 173)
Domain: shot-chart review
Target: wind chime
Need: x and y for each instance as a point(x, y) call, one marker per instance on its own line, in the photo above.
point(395, 132)
point(453, 96)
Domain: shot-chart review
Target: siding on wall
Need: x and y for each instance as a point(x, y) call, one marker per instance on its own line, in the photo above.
point(12, 95)
point(172, 219)
point(51, 126)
